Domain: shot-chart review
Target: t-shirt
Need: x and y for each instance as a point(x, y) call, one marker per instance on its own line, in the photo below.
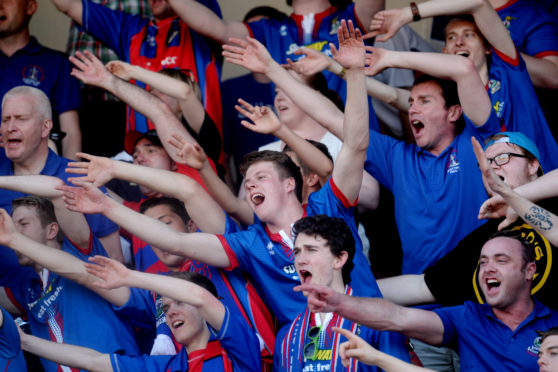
point(437, 198)
point(461, 265)
point(486, 344)
point(333, 145)
point(64, 311)
point(238, 341)
point(11, 356)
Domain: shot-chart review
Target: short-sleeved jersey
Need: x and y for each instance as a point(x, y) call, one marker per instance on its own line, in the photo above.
point(486, 344)
point(269, 260)
point(55, 166)
point(64, 311)
point(11, 356)
point(238, 341)
point(437, 198)
point(166, 44)
point(518, 109)
point(531, 27)
point(461, 265)
point(42, 68)
point(283, 37)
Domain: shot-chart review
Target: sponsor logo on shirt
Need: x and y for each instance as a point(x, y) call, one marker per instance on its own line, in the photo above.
point(270, 249)
point(499, 108)
point(494, 86)
point(170, 60)
point(283, 30)
point(452, 165)
point(32, 75)
point(534, 349)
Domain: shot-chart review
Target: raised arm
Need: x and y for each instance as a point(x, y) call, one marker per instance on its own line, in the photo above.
point(193, 156)
point(72, 8)
point(200, 206)
point(472, 93)
point(73, 224)
point(55, 260)
point(90, 70)
point(191, 106)
point(69, 124)
point(114, 275)
point(252, 55)
point(66, 354)
point(265, 121)
point(376, 313)
point(198, 246)
point(366, 9)
point(347, 172)
point(357, 348)
point(204, 21)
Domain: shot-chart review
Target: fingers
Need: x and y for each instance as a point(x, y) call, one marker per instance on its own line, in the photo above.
point(234, 40)
point(344, 332)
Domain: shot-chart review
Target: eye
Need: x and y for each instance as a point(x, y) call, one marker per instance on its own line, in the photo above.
point(165, 308)
point(482, 262)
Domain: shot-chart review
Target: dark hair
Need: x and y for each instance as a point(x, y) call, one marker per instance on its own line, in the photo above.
point(175, 205)
point(318, 82)
point(320, 146)
point(449, 93)
point(284, 165)
point(195, 278)
point(186, 76)
point(466, 18)
point(549, 332)
point(336, 3)
point(266, 12)
point(44, 209)
point(338, 235)
point(527, 248)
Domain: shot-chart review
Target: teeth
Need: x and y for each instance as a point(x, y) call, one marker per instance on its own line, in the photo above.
point(177, 323)
point(463, 53)
point(257, 198)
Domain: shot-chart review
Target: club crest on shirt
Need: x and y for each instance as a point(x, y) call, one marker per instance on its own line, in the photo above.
point(534, 349)
point(507, 22)
point(335, 24)
point(452, 166)
point(494, 86)
point(283, 30)
point(270, 249)
point(32, 75)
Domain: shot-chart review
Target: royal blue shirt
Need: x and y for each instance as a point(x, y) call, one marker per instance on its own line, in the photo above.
point(486, 344)
point(437, 198)
point(11, 356)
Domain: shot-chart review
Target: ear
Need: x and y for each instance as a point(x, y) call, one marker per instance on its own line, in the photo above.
point(339, 261)
point(31, 7)
point(444, 50)
point(530, 270)
point(290, 184)
point(454, 113)
point(52, 230)
point(312, 180)
point(46, 127)
point(191, 227)
point(533, 167)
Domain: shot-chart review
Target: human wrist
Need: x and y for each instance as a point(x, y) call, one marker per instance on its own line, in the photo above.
point(415, 13)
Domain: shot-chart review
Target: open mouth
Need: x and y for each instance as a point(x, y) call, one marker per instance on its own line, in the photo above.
point(492, 283)
point(417, 126)
point(257, 198)
point(177, 324)
point(306, 276)
point(463, 53)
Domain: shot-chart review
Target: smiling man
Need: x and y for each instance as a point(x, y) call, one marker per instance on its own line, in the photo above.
point(323, 249)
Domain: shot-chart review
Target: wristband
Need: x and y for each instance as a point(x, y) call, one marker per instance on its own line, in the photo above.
point(341, 73)
point(415, 11)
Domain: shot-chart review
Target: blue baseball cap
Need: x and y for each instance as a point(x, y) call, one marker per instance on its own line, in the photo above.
point(515, 138)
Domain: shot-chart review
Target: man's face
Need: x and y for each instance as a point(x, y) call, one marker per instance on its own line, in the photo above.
point(164, 214)
point(503, 275)
point(150, 155)
point(160, 9)
point(431, 122)
point(266, 192)
point(287, 111)
point(184, 320)
point(23, 129)
point(15, 15)
point(27, 222)
point(548, 354)
point(314, 261)
point(518, 171)
point(463, 38)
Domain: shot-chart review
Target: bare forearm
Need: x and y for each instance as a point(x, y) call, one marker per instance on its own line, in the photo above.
point(544, 187)
point(543, 71)
point(406, 290)
point(65, 354)
point(392, 364)
point(44, 186)
point(71, 143)
point(72, 8)
point(355, 126)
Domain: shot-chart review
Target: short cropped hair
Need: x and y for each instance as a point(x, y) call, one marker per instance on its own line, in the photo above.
point(197, 279)
point(337, 234)
point(44, 209)
point(41, 103)
point(527, 251)
point(549, 332)
point(176, 206)
point(284, 165)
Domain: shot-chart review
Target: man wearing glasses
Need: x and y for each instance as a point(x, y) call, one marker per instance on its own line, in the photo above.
point(323, 253)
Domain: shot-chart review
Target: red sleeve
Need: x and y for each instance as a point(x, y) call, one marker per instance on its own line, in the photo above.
point(249, 29)
point(230, 253)
point(508, 60)
point(346, 203)
point(89, 248)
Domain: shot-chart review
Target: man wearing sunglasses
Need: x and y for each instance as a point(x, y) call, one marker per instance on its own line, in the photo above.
point(323, 253)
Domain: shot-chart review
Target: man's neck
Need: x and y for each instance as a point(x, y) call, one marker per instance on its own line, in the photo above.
point(513, 315)
point(11, 44)
point(200, 342)
point(32, 166)
point(285, 218)
point(310, 6)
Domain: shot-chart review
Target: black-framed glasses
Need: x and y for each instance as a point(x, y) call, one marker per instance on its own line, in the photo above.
point(504, 158)
point(311, 348)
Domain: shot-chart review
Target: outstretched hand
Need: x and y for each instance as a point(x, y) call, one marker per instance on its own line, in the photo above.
point(351, 53)
point(188, 153)
point(313, 62)
point(249, 53)
point(90, 69)
point(321, 299)
point(375, 60)
point(386, 23)
point(355, 348)
point(263, 118)
point(85, 198)
point(121, 69)
point(112, 274)
point(97, 170)
point(7, 228)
